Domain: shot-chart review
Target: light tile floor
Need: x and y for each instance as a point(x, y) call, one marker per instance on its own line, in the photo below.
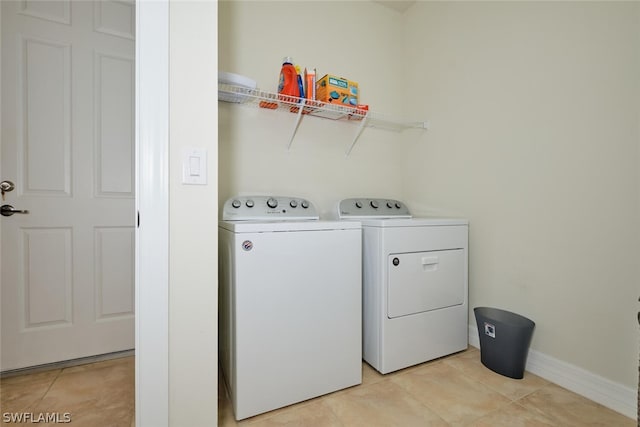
point(453, 391)
point(94, 395)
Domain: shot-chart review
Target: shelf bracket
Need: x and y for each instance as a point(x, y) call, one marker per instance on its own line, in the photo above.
point(297, 123)
point(363, 124)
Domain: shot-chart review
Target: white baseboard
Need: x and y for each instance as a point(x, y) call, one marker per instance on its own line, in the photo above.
point(615, 396)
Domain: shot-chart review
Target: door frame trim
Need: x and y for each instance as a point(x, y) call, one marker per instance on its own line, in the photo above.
point(152, 205)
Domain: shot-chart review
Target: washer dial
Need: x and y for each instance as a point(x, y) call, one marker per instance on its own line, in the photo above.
point(272, 203)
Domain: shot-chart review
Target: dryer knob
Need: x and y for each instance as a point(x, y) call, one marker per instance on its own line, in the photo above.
point(249, 203)
point(293, 204)
point(389, 205)
point(358, 205)
point(272, 203)
point(398, 206)
point(374, 204)
point(304, 204)
point(236, 204)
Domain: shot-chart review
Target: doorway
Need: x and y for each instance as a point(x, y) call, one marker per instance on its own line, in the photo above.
point(67, 273)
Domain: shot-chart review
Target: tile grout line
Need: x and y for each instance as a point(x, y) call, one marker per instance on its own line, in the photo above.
point(495, 389)
point(416, 398)
point(330, 407)
point(411, 369)
point(37, 402)
point(534, 410)
point(389, 379)
point(443, 361)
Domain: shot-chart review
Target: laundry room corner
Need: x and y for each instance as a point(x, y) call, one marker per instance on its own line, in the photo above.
point(534, 109)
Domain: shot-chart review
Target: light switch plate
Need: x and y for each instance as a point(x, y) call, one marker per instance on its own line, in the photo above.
point(194, 166)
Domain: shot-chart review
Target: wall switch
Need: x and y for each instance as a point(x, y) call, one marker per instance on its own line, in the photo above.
point(194, 166)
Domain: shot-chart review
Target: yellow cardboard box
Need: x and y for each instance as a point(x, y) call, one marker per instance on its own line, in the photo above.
point(337, 90)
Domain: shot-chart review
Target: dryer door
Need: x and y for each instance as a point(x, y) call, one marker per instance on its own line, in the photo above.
point(424, 281)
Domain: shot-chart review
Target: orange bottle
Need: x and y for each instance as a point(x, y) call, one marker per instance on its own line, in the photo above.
point(288, 80)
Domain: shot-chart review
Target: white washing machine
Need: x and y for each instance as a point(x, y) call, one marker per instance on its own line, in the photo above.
point(290, 303)
point(415, 283)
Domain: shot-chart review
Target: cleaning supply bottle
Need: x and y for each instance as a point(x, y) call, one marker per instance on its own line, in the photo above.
point(288, 80)
point(300, 85)
point(310, 82)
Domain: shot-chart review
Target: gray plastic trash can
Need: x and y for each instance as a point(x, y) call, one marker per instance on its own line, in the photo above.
point(504, 340)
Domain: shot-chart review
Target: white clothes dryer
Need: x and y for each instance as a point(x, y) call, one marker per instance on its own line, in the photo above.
point(290, 303)
point(415, 283)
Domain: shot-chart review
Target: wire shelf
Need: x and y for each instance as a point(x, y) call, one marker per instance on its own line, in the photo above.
point(307, 107)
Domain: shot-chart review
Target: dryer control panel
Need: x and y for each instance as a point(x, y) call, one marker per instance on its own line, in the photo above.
point(361, 208)
point(268, 208)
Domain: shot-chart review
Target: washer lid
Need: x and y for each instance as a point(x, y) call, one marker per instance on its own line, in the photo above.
point(284, 226)
point(413, 222)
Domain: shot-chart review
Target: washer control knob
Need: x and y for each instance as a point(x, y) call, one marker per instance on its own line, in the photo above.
point(304, 204)
point(358, 204)
point(389, 205)
point(249, 203)
point(398, 206)
point(236, 204)
point(374, 204)
point(293, 204)
point(272, 203)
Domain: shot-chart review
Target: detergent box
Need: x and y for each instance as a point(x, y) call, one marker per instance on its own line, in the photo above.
point(337, 90)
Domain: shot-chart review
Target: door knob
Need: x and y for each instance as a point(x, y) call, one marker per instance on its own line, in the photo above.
point(6, 186)
point(8, 210)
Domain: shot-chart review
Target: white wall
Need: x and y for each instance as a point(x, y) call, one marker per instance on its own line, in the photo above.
point(193, 290)
point(535, 112)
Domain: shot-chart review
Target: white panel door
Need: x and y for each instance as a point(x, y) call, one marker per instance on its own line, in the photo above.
point(67, 267)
